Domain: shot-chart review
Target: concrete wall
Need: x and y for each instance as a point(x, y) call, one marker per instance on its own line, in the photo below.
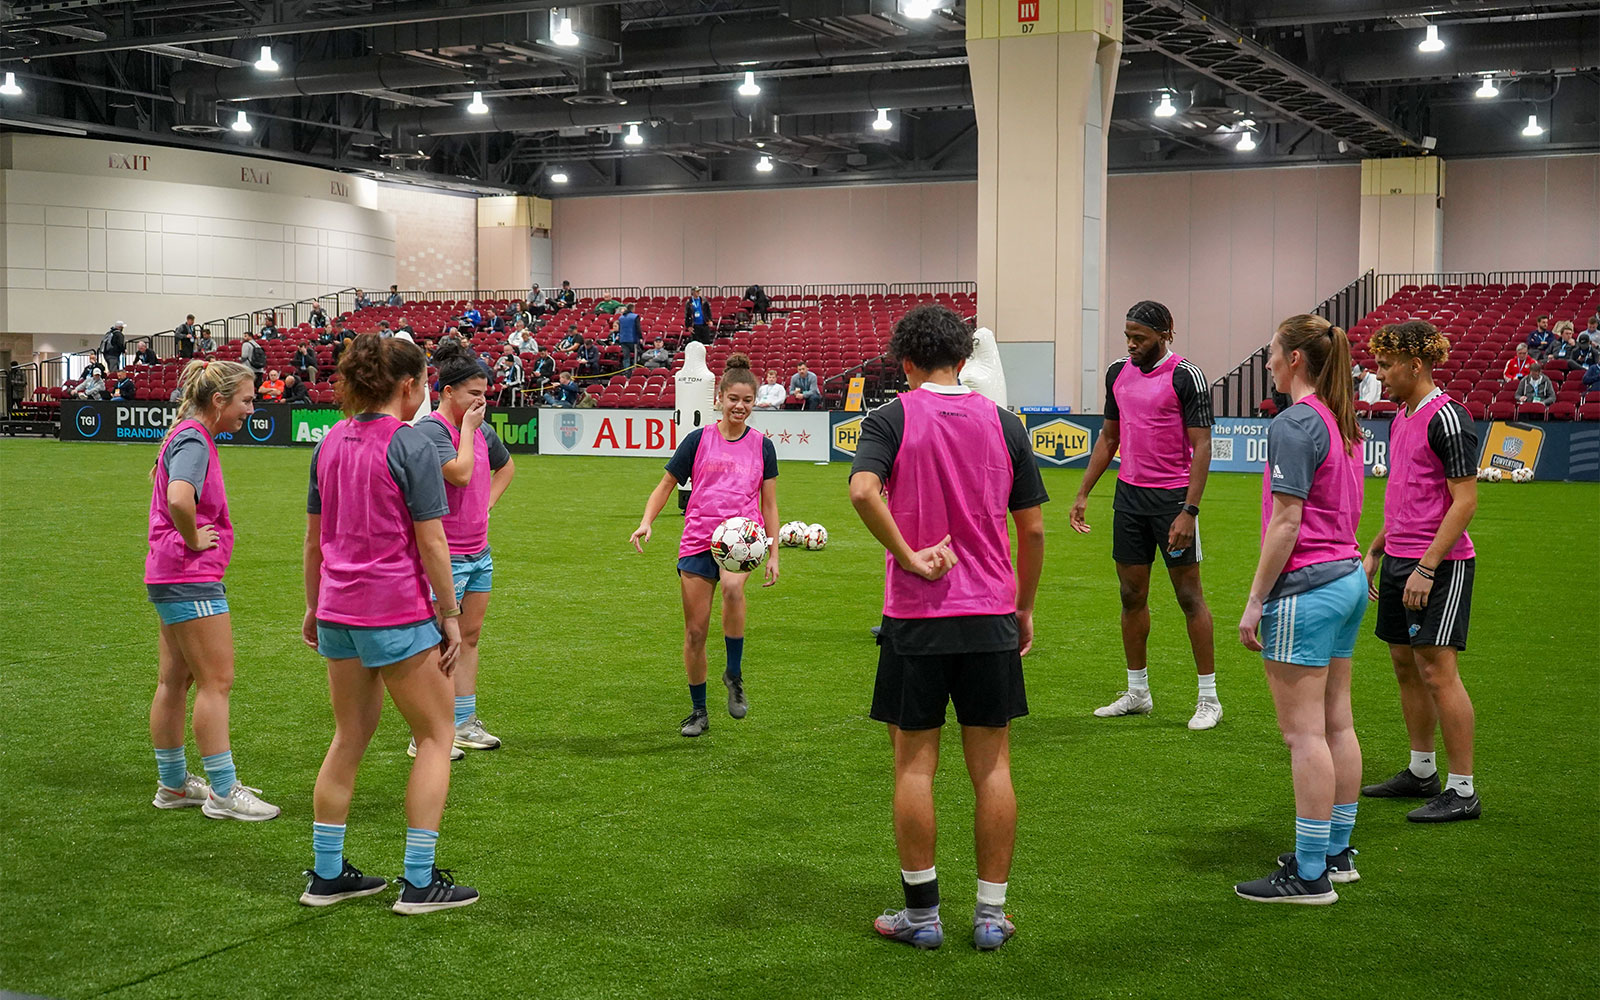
point(1523, 213)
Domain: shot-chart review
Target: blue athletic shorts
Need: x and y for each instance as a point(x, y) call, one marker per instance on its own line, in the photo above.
point(700, 564)
point(178, 612)
point(475, 576)
point(376, 647)
point(1312, 628)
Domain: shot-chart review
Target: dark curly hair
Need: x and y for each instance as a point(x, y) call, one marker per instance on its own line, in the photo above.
point(931, 337)
point(456, 363)
point(372, 369)
point(1414, 338)
point(736, 371)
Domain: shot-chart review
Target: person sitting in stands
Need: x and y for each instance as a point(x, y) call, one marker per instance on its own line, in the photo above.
point(508, 372)
point(362, 302)
point(295, 392)
point(394, 298)
point(1536, 387)
point(1368, 390)
point(565, 393)
point(205, 345)
point(473, 316)
point(770, 395)
point(589, 358)
point(658, 356)
point(125, 389)
point(1591, 376)
point(269, 329)
point(803, 386)
point(1517, 367)
point(1540, 339)
point(572, 341)
point(92, 387)
point(544, 369)
point(145, 355)
point(318, 319)
point(271, 389)
point(1584, 353)
point(566, 298)
point(305, 362)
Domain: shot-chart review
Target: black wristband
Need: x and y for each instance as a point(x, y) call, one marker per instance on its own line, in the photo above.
point(1193, 510)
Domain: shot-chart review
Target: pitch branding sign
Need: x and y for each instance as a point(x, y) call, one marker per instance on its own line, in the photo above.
point(517, 426)
point(606, 432)
point(1509, 447)
point(1059, 441)
point(309, 425)
point(843, 435)
point(795, 434)
point(82, 420)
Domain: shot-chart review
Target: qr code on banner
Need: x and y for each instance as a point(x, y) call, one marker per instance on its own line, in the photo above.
point(1222, 449)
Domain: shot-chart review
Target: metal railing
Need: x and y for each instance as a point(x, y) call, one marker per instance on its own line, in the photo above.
point(1571, 277)
point(814, 292)
point(882, 374)
point(1350, 304)
point(1388, 284)
point(934, 288)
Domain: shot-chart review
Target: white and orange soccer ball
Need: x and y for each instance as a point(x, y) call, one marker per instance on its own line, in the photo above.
point(792, 534)
point(1492, 475)
point(815, 537)
point(1379, 470)
point(739, 545)
point(1522, 475)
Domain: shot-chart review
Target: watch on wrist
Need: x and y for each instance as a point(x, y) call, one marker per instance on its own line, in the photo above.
point(1193, 510)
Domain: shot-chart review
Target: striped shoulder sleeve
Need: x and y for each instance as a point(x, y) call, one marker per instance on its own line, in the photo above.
point(1111, 394)
point(1194, 394)
point(1454, 438)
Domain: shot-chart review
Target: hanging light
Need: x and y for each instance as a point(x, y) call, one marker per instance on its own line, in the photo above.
point(561, 31)
point(1533, 128)
point(477, 106)
point(10, 88)
point(882, 122)
point(1165, 108)
point(764, 164)
point(242, 124)
point(633, 138)
point(1247, 142)
point(918, 9)
point(266, 63)
point(558, 176)
point(1487, 90)
point(749, 88)
point(1431, 42)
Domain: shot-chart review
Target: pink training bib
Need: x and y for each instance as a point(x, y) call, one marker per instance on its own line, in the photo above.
point(952, 476)
point(169, 559)
point(1330, 514)
point(1155, 444)
point(1418, 493)
point(467, 525)
point(727, 483)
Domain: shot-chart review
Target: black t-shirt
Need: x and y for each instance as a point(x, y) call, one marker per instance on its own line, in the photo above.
point(876, 448)
point(1452, 437)
point(681, 464)
point(1194, 398)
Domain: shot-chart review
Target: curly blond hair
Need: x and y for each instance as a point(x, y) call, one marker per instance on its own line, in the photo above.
point(1414, 338)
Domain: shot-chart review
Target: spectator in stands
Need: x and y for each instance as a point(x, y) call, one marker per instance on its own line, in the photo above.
point(535, 304)
point(92, 387)
point(1540, 339)
point(1368, 389)
point(565, 393)
point(760, 304)
point(566, 298)
point(125, 388)
point(295, 392)
point(1536, 387)
point(305, 362)
point(508, 373)
point(697, 316)
point(394, 298)
point(1518, 366)
point(544, 369)
point(271, 389)
point(1564, 341)
point(589, 358)
point(1584, 353)
point(658, 356)
point(1593, 329)
point(145, 355)
point(205, 345)
point(254, 355)
point(269, 329)
point(112, 346)
point(770, 395)
point(518, 337)
point(383, 328)
point(362, 302)
point(183, 336)
point(429, 346)
point(95, 367)
point(473, 316)
point(630, 334)
point(803, 386)
point(1591, 376)
point(318, 318)
point(572, 341)
point(328, 335)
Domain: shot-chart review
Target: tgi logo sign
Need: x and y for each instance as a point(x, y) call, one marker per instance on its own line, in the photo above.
point(87, 423)
point(261, 426)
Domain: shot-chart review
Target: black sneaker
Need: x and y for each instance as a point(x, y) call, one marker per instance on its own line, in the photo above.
point(1341, 866)
point(696, 724)
point(440, 894)
point(1404, 785)
point(348, 884)
point(737, 705)
point(1446, 807)
point(1286, 886)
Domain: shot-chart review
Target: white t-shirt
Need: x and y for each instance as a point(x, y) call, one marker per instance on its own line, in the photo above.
point(769, 397)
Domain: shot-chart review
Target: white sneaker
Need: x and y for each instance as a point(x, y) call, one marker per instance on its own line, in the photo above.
point(241, 804)
point(193, 793)
point(1130, 703)
point(1206, 714)
point(471, 735)
point(456, 753)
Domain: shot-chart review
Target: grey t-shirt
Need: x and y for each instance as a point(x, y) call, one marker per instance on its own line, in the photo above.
point(1297, 445)
point(439, 436)
point(188, 459)
point(413, 463)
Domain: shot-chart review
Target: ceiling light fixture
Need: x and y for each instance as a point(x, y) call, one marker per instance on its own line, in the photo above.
point(633, 138)
point(242, 124)
point(1488, 89)
point(10, 88)
point(764, 164)
point(1165, 108)
point(266, 63)
point(1247, 142)
point(558, 176)
point(477, 106)
point(749, 88)
point(1431, 42)
point(882, 122)
point(561, 28)
point(1533, 128)
point(918, 9)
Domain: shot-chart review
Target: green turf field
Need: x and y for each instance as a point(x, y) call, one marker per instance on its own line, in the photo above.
point(618, 859)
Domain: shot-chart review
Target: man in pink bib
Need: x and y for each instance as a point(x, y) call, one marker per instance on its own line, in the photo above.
point(1164, 403)
point(935, 472)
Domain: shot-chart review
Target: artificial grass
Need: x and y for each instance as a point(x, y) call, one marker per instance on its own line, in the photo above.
point(618, 859)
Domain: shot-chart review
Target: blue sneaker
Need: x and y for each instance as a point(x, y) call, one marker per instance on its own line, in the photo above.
point(896, 925)
point(987, 935)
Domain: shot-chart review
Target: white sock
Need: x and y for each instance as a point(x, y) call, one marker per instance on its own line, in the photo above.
point(1208, 686)
point(1139, 680)
point(991, 893)
point(1422, 763)
point(918, 878)
point(1461, 784)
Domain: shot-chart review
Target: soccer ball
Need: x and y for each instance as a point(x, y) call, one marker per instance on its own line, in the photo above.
point(1493, 475)
point(1522, 475)
point(739, 545)
point(816, 536)
point(1483, 474)
point(792, 533)
point(1379, 470)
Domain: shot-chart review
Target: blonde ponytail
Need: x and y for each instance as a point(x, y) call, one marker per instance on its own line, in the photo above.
point(202, 380)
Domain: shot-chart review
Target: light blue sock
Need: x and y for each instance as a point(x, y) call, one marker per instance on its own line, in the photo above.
point(327, 840)
point(1344, 821)
point(172, 766)
point(220, 772)
point(1311, 847)
point(419, 856)
point(466, 707)
point(735, 655)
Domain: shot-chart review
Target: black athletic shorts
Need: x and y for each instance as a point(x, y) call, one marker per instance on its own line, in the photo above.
point(1443, 622)
point(911, 691)
point(1136, 538)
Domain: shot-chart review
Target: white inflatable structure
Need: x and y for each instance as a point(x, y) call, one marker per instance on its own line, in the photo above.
point(982, 372)
point(694, 400)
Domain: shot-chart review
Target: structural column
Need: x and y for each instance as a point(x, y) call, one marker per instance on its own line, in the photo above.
point(1402, 215)
point(507, 228)
point(1043, 77)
